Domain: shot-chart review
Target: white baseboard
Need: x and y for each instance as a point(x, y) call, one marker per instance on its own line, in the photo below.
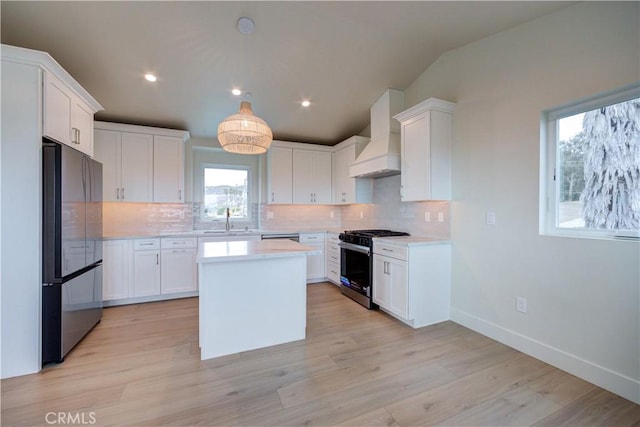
point(621, 385)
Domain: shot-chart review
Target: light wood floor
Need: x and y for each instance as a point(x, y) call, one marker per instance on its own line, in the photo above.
point(141, 366)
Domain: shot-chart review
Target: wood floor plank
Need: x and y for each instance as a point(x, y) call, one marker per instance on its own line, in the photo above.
point(597, 408)
point(447, 400)
point(519, 407)
point(376, 418)
point(561, 387)
point(378, 364)
point(362, 398)
point(468, 362)
point(141, 367)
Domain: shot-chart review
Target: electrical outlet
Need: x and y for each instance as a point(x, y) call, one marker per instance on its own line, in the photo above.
point(269, 214)
point(331, 214)
point(427, 217)
point(361, 215)
point(440, 216)
point(521, 304)
point(491, 218)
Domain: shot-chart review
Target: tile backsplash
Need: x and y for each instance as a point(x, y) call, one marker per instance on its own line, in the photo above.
point(300, 217)
point(120, 218)
point(386, 211)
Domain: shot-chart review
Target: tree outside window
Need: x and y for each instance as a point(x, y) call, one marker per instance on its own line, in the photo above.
point(598, 168)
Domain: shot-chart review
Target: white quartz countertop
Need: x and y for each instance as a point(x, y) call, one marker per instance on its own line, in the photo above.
point(251, 250)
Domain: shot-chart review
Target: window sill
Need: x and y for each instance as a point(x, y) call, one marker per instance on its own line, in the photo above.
point(630, 236)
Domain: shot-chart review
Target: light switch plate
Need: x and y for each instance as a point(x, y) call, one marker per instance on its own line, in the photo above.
point(427, 217)
point(440, 216)
point(269, 214)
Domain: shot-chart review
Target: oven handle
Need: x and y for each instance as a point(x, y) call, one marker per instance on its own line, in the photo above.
point(357, 248)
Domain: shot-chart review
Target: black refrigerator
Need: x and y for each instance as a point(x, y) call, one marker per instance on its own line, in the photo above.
point(71, 248)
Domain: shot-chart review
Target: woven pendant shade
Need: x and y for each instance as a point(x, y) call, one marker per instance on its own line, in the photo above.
point(244, 133)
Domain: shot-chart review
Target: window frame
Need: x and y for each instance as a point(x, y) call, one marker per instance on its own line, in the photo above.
point(248, 169)
point(549, 186)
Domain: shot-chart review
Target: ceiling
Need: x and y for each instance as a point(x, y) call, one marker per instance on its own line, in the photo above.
point(339, 55)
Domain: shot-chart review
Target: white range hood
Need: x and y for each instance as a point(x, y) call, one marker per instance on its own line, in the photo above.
point(381, 156)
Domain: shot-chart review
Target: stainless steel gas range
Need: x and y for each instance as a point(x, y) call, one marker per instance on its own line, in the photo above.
point(356, 263)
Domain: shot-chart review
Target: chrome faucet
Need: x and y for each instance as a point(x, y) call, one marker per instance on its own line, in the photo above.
point(227, 225)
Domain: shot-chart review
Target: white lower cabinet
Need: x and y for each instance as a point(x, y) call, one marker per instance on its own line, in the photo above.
point(178, 272)
point(315, 263)
point(413, 282)
point(391, 287)
point(146, 268)
point(115, 269)
point(139, 270)
point(333, 258)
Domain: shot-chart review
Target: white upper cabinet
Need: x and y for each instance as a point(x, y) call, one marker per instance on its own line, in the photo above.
point(140, 164)
point(127, 165)
point(168, 169)
point(298, 173)
point(137, 168)
point(107, 151)
point(279, 175)
point(67, 118)
point(425, 151)
point(348, 190)
point(311, 177)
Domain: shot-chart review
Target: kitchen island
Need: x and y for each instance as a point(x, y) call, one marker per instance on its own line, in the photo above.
point(252, 295)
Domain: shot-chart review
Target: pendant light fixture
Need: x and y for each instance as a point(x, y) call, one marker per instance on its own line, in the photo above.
point(243, 132)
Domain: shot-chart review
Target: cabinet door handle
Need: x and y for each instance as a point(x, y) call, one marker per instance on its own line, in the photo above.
point(122, 193)
point(157, 259)
point(78, 136)
point(146, 244)
point(387, 250)
point(117, 194)
point(179, 194)
point(273, 197)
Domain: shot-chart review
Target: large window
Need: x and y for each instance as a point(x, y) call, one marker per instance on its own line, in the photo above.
point(225, 187)
point(591, 170)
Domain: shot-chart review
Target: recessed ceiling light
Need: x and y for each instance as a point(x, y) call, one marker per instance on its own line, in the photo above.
point(150, 77)
point(236, 92)
point(306, 103)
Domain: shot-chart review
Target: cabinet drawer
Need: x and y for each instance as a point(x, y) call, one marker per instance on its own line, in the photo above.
point(146, 244)
point(333, 238)
point(333, 248)
point(176, 242)
point(333, 272)
point(333, 257)
point(397, 252)
point(311, 237)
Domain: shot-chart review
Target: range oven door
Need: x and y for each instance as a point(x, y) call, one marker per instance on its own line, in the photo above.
point(355, 268)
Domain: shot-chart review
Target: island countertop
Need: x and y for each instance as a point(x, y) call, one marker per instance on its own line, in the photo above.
point(249, 250)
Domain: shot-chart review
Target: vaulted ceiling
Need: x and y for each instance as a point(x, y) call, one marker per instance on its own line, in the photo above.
point(339, 55)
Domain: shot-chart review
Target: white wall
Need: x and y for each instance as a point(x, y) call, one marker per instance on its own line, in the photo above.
point(21, 281)
point(583, 295)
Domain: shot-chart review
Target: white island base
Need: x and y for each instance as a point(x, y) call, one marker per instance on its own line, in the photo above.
point(252, 295)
